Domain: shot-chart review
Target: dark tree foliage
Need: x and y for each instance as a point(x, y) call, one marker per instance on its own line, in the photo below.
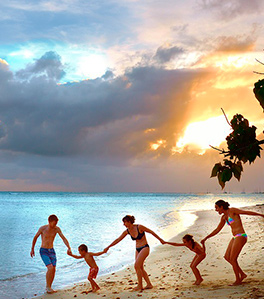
point(259, 92)
point(242, 144)
point(242, 147)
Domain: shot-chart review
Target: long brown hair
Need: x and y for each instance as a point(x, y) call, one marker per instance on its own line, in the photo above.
point(189, 238)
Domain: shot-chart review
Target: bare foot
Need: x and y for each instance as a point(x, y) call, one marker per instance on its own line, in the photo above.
point(147, 287)
point(242, 277)
point(50, 290)
point(86, 292)
point(95, 290)
point(236, 283)
point(198, 281)
point(138, 288)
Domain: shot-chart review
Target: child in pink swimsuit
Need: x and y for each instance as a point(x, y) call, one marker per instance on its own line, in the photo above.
point(89, 258)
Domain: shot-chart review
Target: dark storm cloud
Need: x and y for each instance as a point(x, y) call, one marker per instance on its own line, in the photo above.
point(98, 118)
point(48, 65)
point(2, 131)
point(165, 54)
point(5, 73)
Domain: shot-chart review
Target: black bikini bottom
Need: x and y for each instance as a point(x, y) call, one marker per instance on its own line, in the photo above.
point(140, 248)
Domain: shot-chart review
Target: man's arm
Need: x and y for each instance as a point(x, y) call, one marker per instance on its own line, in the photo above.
point(216, 231)
point(73, 255)
point(32, 252)
point(65, 241)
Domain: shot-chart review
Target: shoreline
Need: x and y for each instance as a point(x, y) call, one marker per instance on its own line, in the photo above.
point(169, 271)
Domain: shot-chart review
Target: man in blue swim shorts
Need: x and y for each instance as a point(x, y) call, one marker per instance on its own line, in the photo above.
point(48, 233)
point(48, 256)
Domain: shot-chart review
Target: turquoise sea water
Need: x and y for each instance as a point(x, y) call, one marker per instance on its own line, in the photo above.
point(91, 218)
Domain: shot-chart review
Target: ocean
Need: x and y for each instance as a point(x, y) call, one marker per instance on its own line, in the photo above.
point(94, 219)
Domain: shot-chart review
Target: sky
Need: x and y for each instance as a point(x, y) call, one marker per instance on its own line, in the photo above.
point(126, 96)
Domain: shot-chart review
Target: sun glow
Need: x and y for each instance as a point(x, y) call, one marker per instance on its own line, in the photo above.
point(155, 146)
point(92, 66)
point(149, 130)
point(3, 61)
point(25, 53)
point(233, 61)
point(200, 135)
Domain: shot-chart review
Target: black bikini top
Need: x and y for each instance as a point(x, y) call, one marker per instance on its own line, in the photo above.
point(139, 236)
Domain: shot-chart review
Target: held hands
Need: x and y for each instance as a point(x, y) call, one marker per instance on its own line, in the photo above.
point(162, 241)
point(203, 241)
point(105, 250)
point(69, 252)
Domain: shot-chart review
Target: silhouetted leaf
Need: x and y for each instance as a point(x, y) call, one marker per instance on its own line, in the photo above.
point(228, 162)
point(239, 164)
point(226, 175)
point(236, 169)
point(221, 183)
point(215, 169)
point(259, 92)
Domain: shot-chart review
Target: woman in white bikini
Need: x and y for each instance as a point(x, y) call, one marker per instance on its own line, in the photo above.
point(137, 233)
point(231, 216)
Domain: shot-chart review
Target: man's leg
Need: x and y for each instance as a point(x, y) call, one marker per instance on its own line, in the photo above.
point(50, 277)
point(49, 258)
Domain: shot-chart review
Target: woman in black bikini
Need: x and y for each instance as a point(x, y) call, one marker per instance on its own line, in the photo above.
point(137, 233)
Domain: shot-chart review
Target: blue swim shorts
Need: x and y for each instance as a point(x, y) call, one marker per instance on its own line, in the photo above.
point(48, 256)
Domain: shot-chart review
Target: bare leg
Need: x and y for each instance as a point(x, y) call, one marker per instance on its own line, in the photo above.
point(227, 257)
point(196, 261)
point(145, 276)
point(50, 277)
point(237, 246)
point(139, 267)
point(228, 250)
point(94, 285)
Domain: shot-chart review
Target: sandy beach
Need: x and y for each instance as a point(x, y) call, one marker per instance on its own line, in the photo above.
point(170, 273)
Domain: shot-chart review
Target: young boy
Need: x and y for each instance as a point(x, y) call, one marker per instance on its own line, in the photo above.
point(88, 256)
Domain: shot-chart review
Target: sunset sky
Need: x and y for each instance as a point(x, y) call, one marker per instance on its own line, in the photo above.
point(115, 95)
